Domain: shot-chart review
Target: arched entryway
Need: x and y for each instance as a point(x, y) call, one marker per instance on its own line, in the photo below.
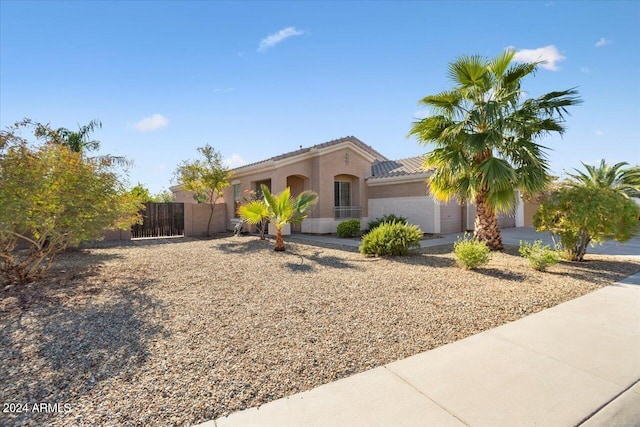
point(297, 184)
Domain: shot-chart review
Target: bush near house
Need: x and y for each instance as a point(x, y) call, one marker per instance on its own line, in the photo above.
point(386, 219)
point(391, 239)
point(471, 253)
point(540, 256)
point(349, 228)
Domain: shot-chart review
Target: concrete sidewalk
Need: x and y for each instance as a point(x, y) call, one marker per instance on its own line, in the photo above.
point(574, 364)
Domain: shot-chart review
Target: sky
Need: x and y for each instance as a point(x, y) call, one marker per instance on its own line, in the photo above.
point(257, 79)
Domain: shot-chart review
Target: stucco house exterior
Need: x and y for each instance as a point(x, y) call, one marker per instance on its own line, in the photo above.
point(352, 180)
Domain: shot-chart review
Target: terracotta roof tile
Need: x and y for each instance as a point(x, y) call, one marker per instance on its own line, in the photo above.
point(401, 167)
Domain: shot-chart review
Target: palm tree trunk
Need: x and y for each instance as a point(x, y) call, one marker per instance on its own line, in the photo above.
point(486, 224)
point(279, 240)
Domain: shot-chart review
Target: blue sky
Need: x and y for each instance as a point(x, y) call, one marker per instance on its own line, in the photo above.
point(256, 79)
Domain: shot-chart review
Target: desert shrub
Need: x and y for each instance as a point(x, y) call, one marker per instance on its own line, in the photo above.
point(52, 198)
point(471, 253)
point(385, 220)
point(583, 216)
point(540, 256)
point(391, 239)
point(349, 228)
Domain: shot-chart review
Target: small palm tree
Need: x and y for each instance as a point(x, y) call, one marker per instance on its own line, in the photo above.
point(484, 134)
point(255, 212)
point(623, 181)
point(283, 209)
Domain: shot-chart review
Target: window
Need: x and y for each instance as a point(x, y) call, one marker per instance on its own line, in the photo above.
point(342, 193)
point(236, 199)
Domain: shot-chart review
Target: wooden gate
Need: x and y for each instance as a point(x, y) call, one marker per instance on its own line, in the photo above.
point(160, 220)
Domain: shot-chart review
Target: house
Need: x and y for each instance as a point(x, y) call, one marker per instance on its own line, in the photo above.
point(352, 181)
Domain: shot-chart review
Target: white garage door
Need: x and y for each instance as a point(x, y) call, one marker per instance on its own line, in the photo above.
point(506, 220)
point(450, 218)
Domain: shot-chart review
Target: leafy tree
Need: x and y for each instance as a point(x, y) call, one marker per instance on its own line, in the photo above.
point(205, 178)
point(53, 198)
point(583, 215)
point(485, 134)
point(284, 209)
point(164, 196)
point(624, 181)
point(142, 193)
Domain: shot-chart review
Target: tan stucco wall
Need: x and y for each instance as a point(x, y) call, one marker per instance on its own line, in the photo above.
point(116, 235)
point(183, 196)
point(530, 210)
point(196, 217)
point(308, 173)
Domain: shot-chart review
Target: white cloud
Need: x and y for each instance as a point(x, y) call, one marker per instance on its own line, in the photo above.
point(599, 133)
point(549, 54)
point(276, 38)
point(151, 123)
point(234, 161)
point(602, 42)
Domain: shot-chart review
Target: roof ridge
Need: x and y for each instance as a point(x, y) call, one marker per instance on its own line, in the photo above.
point(350, 138)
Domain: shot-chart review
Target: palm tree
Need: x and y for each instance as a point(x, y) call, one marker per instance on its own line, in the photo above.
point(255, 212)
point(623, 181)
point(484, 135)
point(79, 141)
point(283, 209)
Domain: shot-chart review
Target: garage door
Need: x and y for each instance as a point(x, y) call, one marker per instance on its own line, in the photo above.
point(450, 218)
point(506, 220)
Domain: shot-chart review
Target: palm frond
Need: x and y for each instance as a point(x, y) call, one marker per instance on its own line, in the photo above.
point(468, 70)
point(497, 174)
point(500, 64)
point(254, 212)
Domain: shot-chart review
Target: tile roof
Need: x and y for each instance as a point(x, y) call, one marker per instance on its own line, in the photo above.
point(353, 139)
point(401, 167)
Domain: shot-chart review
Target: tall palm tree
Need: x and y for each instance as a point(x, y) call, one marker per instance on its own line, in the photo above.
point(283, 209)
point(80, 141)
point(485, 132)
point(623, 181)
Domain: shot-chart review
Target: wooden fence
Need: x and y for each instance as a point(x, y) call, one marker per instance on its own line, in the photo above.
point(160, 220)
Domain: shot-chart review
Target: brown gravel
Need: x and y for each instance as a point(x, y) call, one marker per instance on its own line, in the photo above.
point(189, 330)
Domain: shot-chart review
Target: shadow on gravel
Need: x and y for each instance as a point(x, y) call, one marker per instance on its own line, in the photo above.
point(63, 281)
point(241, 245)
point(329, 260)
point(600, 271)
point(501, 274)
point(58, 350)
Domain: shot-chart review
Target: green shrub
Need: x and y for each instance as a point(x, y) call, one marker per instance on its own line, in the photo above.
point(386, 219)
point(470, 253)
point(539, 256)
point(391, 239)
point(349, 228)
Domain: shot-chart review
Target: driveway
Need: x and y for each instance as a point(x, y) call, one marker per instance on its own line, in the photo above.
point(510, 236)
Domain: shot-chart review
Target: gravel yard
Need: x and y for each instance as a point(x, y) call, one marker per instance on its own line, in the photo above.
point(184, 331)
